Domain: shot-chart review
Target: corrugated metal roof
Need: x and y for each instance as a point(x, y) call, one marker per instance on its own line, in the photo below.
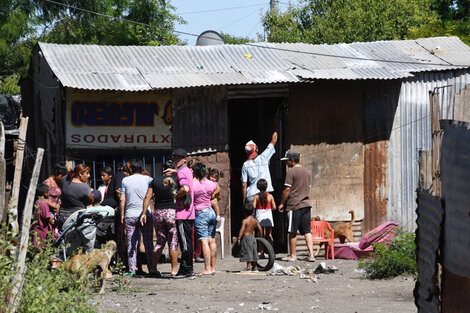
point(137, 68)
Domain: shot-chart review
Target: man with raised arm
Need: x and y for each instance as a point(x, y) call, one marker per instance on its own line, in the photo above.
point(256, 167)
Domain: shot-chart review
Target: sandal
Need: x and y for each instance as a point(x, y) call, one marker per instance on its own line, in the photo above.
point(289, 259)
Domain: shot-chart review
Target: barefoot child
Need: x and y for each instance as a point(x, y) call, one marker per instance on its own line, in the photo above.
point(264, 204)
point(246, 238)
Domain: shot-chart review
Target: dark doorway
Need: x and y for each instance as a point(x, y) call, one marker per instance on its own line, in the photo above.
point(256, 119)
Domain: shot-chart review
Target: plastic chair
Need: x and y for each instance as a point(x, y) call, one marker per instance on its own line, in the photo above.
point(220, 230)
point(318, 234)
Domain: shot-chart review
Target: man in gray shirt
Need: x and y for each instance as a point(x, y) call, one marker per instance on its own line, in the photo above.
point(295, 197)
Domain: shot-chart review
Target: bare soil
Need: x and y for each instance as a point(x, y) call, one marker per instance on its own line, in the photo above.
point(231, 291)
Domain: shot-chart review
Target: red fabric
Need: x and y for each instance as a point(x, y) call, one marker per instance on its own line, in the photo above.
point(378, 234)
point(357, 250)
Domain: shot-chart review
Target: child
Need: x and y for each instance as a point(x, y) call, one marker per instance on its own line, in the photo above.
point(106, 176)
point(213, 175)
point(44, 219)
point(264, 204)
point(246, 239)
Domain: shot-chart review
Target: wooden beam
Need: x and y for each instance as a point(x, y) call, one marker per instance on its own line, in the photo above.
point(15, 192)
point(25, 228)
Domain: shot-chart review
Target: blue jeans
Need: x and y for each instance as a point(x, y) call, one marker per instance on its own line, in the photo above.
point(205, 223)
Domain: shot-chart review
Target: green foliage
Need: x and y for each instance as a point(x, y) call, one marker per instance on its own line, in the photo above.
point(452, 9)
point(44, 290)
point(120, 281)
point(348, 21)
point(74, 26)
point(9, 85)
point(392, 259)
point(25, 22)
point(233, 40)
point(459, 28)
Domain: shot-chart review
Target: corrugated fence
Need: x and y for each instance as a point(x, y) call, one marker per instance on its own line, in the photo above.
point(428, 233)
point(453, 241)
point(411, 133)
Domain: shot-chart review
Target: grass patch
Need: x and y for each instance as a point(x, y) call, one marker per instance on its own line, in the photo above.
point(392, 259)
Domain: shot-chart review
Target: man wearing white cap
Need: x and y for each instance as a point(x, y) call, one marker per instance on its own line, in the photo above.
point(256, 167)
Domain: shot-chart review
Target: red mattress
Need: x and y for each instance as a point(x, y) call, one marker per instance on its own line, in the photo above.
point(357, 250)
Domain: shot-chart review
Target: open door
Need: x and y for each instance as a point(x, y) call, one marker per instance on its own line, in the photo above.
point(256, 119)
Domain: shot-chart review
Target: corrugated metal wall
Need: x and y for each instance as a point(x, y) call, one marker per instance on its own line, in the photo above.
point(200, 119)
point(411, 133)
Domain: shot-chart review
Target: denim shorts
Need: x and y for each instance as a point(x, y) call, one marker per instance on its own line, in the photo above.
point(205, 223)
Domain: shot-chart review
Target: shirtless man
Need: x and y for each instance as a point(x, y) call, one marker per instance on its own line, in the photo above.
point(247, 240)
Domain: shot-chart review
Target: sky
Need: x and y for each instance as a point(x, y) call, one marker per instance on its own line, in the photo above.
point(241, 18)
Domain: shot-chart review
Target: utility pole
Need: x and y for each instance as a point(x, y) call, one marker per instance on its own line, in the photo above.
point(272, 10)
point(272, 5)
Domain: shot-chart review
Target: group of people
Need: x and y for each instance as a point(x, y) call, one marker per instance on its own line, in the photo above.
point(173, 203)
point(181, 204)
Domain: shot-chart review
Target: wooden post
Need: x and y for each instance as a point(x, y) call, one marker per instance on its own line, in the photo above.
point(436, 141)
point(3, 166)
point(21, 252)
point(15, 192)
point(425, 169)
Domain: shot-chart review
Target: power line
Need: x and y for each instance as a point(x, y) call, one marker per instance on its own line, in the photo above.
point(260, 45)
point(223, 9)
point(239, 19)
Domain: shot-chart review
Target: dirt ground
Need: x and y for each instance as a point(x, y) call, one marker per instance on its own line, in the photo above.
point(231, 291)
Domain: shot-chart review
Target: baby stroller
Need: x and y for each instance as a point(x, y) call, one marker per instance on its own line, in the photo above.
point(81, 228)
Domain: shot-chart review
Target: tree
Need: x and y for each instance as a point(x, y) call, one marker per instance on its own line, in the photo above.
point(452, 9)
point(334, 21)
point(233, 40)
point(454, 21)
point(68, 25)
point(25, 22)
point(14, 47)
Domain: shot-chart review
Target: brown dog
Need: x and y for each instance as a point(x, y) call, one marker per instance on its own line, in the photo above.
point(342, 230)
point(94, 262)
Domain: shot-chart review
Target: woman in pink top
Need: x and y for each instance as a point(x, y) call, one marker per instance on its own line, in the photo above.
point(53, 182)
point(207, 216)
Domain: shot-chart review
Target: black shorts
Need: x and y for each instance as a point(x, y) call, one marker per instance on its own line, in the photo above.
point(299, 220)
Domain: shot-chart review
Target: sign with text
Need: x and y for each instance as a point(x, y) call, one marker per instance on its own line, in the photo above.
point(118, 120)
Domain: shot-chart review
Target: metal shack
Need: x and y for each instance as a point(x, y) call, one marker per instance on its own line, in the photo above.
point(359, 113)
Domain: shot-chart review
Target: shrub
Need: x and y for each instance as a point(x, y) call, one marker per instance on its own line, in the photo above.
point(391, 259)
point(44, 290)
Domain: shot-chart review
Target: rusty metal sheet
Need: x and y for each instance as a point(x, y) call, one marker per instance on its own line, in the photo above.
point(455, 178)
point(375, 185)
point(379, 104)
point(430, 214)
